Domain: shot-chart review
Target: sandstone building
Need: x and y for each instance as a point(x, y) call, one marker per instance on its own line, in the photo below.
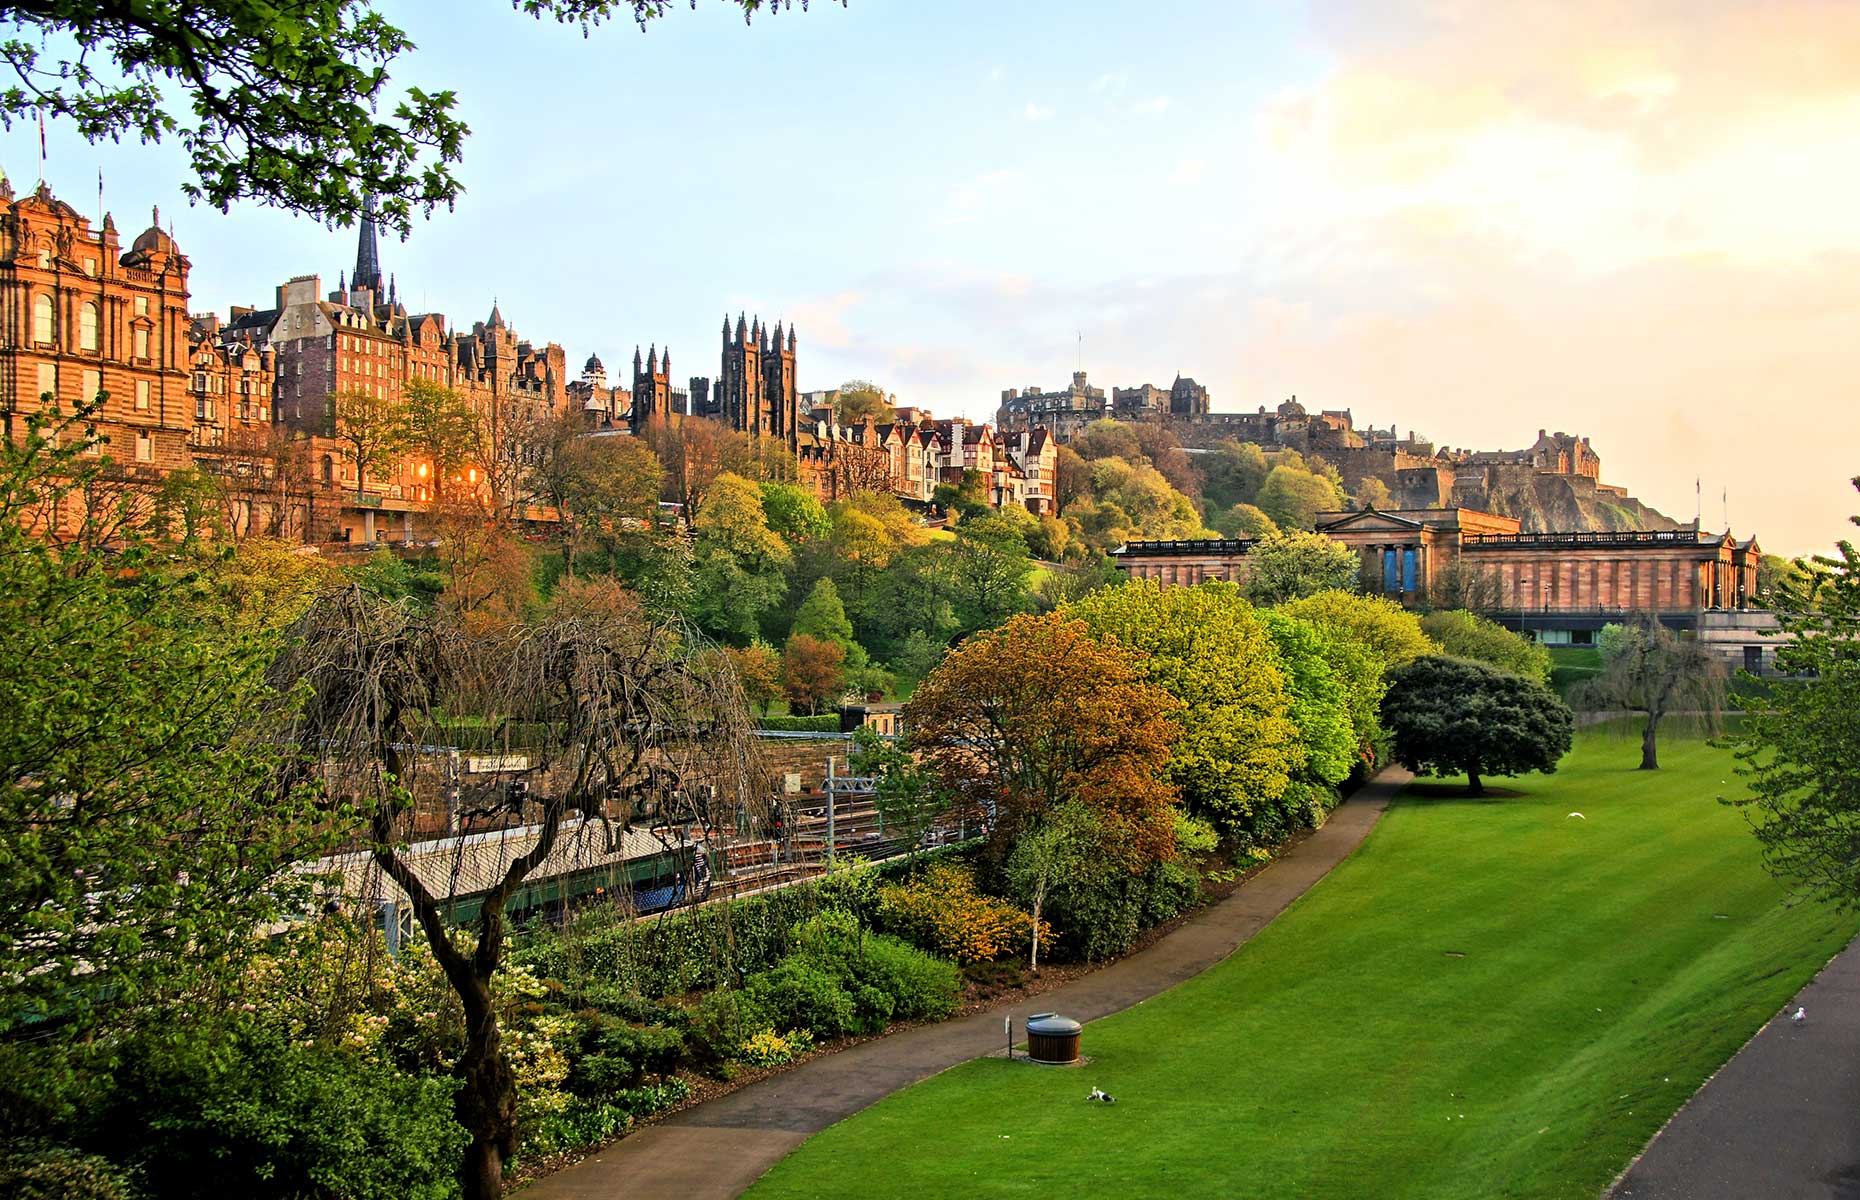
point(1559, 587)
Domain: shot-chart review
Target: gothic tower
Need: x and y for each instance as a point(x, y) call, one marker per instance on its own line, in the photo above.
point(367, 254)
point(755, 390)
point(652, 389)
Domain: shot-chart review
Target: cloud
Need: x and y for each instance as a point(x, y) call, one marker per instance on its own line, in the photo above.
point(970, 200)
point(1114, 82)
point(1038, 112)
point(997, 73)
point(1153, 105)
point(1187, 173)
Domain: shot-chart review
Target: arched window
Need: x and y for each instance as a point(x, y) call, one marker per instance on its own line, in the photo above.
point(41, 318)
point(87, 327)
point(329, 469)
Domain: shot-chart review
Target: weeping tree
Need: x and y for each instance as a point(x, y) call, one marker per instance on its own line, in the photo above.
point(599, 710)
point(1649, 669)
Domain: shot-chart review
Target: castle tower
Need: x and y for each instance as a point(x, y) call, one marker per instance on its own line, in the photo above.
point(738, 396)
point(652, 389)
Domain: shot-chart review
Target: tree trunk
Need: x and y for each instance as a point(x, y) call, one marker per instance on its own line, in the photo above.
point(1474, 785)
point(487, 1103)
point(1649, 750)
point(1033, 959)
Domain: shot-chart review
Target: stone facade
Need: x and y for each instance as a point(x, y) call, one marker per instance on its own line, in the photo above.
point(84, 322)
point(1065, 413)
point(1553, 585)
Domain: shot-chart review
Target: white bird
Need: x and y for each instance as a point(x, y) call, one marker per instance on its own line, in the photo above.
point(1801, 1015)
point(1577, 815)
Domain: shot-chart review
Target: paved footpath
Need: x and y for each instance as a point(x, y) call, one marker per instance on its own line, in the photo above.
point(1781, 1120)
point(714, 1151)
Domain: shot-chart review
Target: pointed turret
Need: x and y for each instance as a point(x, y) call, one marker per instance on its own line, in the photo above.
point(791, 339)
point(665, 361)
point(652, 360)
point(367, 254)
point(497, 318)
point(393, 290)
point(637, 361)
point(742, 329)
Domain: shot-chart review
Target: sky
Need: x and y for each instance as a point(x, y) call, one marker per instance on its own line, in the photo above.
point(1635, 221)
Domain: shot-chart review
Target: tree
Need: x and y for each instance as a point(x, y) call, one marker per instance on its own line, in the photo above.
point(1320, 701)
point(739, 559)
point(1293, 496)
point(1233, 474)
point(694, 451)
point(1244, 520)
point(758, 672)
point(1061, 847)
point(822, 615)
point(1292, 564)
point(369, 430)
point(1463, 635)
point(988, 566)
point(1021, 719)
point(598, 700)
point(967, 497)
point(1776, 574)
point(289, 108)
point(188, 505)
point(862, 400)
point(907, 797)
point(1451, 715)
point(858, 467)
point(604, 488)
point(812, 671)
point(1236, 747)
point(144, 841)
point(439, 427)
point(1105, 438)
point(1071, 477)
point(1459, 584)
point(794, 513)
point(1371, 492)
point(1384, 627)
point(1795, 745)
point(1651, 670)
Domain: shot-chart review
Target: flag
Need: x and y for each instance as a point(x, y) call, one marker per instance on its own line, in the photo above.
point(41, 145)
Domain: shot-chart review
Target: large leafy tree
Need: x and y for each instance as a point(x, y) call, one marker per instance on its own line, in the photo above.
point(1363, 637)
point(1320, 704)
point(1290, 564)
point(1651, 670)
point(1024, 718)
point(284, 105)
point(440, 428)
point(739, 559)
point(1236, 747)
point(1451, 716)
point(141, 839)
point(1465, 635)
point(370, 432)
point(988, 565)
point(859, 400)
point(1293, 496)
point(1798, 746)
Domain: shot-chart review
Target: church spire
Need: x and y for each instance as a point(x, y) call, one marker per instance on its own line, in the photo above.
point(367, 254)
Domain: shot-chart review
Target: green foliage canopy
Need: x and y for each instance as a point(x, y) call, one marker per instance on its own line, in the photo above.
point(1452, 715)
point(1464, 635)
point(1291, 564)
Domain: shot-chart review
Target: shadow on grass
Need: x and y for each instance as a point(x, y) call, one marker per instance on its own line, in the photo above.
point(1455, 793)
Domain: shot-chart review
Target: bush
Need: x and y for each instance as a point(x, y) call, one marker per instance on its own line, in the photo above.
point(921, 988)
point(802, 993)
point(589, 1122)
point(718, 1025)
point(1101, 913)
point(771, 1049)
point(250, 1114)
point(52, 1172)
point(941, 911)
point(621, 1056)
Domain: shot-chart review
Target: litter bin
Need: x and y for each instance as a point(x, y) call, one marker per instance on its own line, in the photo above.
point(1052, 1038)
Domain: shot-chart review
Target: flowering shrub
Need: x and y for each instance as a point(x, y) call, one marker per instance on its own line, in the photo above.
point(771, 1049)
point(942, 911)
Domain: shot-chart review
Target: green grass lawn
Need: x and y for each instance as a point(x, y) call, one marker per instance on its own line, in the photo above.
point(1571, 665)
point(1490, 998)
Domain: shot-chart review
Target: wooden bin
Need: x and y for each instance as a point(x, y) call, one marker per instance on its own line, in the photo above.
point(1052, 1038)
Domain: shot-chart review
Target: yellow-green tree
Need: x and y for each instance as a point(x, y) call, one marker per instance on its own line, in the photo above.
point(1237, 747)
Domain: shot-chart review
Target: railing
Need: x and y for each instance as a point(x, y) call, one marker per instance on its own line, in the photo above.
point(1204, 546)
point(1636, 537)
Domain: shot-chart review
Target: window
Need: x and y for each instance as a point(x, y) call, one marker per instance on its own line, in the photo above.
point(48, 380)
point(41, 318)
point(203, 409)
point(90, 266)
point(200, 381)
point(142, 395)
point(142, 343)
point(145, 446)
point(45, 256)
point(142, 306)
point(93, 386)
point(87, 327)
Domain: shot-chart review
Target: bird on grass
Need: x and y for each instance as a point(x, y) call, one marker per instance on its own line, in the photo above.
point(1801, 1015)
point(1098, 1095)
point(1578, 816)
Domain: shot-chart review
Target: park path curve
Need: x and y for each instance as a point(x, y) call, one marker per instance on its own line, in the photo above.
point(715, 1150)
point(1779, 1121)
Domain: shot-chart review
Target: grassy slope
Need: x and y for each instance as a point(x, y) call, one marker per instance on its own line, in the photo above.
point(1611, 964)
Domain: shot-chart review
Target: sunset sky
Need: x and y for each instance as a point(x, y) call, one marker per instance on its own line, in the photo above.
point(1475, 219)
